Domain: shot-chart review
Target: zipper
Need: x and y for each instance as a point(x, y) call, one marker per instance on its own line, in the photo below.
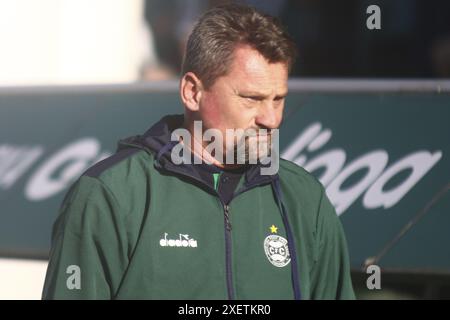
point(228, 244)
point(226, 211)
point(228, 257)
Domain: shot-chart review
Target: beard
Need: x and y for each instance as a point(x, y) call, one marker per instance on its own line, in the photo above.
point(253, 146)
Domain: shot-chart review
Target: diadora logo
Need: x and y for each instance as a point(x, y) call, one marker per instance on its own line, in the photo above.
point(182, 241)
point(276, 248)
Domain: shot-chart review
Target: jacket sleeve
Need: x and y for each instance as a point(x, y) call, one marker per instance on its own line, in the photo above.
point(89, 251)
point(331, 274)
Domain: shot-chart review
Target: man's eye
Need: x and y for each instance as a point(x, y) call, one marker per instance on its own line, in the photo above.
point(254, 98)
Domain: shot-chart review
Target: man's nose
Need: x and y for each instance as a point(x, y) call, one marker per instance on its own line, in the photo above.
point(268, 117)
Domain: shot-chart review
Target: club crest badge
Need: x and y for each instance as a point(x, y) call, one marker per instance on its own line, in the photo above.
point(277, 251)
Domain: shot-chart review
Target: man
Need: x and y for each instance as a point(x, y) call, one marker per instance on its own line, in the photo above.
point(142, 224)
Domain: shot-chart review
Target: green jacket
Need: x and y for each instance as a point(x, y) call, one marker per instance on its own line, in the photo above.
point(135, 225)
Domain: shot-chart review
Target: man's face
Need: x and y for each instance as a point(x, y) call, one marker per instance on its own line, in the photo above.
point(250, 96)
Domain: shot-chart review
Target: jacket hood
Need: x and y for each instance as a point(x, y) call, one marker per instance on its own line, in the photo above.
point(155, 138)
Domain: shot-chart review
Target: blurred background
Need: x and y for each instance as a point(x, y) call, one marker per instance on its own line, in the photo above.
point(100, 41)
point(64, 63)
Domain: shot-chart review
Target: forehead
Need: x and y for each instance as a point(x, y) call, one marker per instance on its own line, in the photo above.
point(249, 70)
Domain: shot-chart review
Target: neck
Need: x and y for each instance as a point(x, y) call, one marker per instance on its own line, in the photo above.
point(198, 148)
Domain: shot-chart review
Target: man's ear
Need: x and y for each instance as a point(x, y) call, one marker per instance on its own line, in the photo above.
point(190, 91)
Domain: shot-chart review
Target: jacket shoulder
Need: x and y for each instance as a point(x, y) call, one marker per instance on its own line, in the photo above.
point(293, 172)
point(115, 188)
point(125, 174)
point(112, 163)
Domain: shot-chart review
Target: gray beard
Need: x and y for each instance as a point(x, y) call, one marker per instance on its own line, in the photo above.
point(243, 152)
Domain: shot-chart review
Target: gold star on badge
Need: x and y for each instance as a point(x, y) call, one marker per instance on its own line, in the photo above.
point(273, 229)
